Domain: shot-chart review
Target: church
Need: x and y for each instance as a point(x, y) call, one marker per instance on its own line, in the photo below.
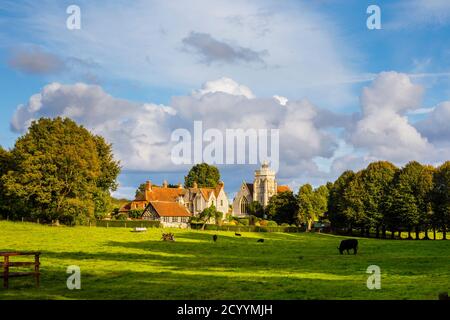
point(264, 186)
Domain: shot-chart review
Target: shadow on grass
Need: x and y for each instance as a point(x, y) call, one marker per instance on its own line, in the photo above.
point(128, 285)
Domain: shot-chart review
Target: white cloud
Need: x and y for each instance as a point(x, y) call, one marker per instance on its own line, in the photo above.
point(384, 130)
point(436, 127)
point(282, 100)
point(140, 132)
point(225, 85)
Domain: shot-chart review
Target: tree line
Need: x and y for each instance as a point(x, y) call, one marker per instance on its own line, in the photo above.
point(382, 197)
point(379, 199)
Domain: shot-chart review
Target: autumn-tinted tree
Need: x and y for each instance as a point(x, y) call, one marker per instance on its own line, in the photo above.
point(61, 171)
point(205, 175)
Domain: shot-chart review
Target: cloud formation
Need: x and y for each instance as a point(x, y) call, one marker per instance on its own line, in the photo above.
point(140, 132)
point(212, 50)
point(33, 60)
point(384, 129)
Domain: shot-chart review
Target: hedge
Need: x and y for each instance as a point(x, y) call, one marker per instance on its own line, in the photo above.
point(127, 223)
point(198, 226)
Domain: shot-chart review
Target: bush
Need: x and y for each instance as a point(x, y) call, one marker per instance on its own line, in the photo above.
point(284, 224)
point(122, 217)
point(271, 223)
point(135, 213)
point(244, 221)
point(127, 224)
point(263, 223)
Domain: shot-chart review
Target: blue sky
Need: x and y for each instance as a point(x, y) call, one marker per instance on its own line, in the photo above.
point(135, 72)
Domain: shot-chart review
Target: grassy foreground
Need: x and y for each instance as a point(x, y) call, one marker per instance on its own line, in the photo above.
point(118, 264)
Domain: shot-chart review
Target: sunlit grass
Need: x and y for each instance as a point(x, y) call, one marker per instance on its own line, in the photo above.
point(118, 264)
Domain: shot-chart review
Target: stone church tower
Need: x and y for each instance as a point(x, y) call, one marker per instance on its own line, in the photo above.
point(264, 185)
point(263, 188)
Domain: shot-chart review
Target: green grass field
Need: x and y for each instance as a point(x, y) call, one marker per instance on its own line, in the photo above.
point(118, 264)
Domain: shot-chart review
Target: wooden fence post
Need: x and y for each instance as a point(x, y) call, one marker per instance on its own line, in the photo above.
point(36, 269)
point(106, 224)
point(6, 272)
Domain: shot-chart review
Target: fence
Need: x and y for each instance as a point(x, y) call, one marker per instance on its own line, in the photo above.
point(127, 223)
point(195, 226)
point(248, 228)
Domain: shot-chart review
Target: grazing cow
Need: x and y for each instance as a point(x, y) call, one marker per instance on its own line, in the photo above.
point(215, 237)
point(237, 234)
point(347, 245)
point(260, 240)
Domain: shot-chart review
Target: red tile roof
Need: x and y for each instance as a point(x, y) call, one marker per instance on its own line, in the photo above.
point(283, 189)
point(169, 209)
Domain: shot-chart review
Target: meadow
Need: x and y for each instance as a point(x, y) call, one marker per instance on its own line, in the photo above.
point(116, 263)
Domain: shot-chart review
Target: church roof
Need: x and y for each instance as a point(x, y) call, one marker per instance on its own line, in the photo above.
point(250, 188)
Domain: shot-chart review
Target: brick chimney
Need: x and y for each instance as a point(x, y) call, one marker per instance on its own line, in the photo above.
point(180, 186)
point(148, 186)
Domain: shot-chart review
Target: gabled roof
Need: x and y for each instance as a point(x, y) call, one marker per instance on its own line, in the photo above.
point(169, 209)
point(164, 194)
point(250, 188)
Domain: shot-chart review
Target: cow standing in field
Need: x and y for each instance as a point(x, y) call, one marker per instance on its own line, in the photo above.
point(215, 237)
point(237, 234)
point(347, 245)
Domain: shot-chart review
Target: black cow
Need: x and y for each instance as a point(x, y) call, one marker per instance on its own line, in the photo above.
point(260, 240)
point(347, 245)
point(237, 234)
point(215, 237)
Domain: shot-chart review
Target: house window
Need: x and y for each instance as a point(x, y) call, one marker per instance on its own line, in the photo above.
point(174, 219)
point(183, 219)
point(221, 203)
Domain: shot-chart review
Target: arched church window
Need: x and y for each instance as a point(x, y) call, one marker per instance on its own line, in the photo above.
point(244, 205)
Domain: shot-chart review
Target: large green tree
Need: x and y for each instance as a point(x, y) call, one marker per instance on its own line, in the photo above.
point(5, 166)
point(337, 203)
point(441, 197)
point(306, 213)
point(205, 175)
point(376, 180)
point(283, 207)
point(61, 171)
